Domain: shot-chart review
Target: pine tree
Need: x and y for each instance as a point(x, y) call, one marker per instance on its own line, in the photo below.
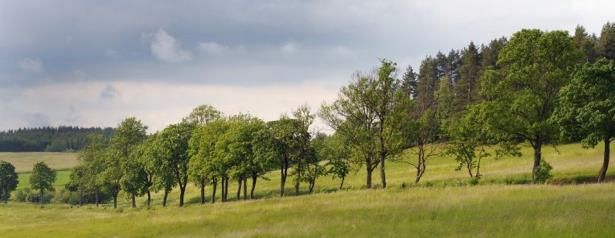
point(606, 44)
point(409, 82)
point(466, 89)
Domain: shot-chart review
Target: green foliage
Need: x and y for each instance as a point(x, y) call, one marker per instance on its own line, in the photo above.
point(587, 105)
point(535, 65)
point(42, 178)
point(606, 43)
point(543, 172)
point(8, 180)
point(174, 152)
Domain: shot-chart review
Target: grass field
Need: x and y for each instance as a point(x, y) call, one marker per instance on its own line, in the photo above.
point(443, 205)
point(24, 161)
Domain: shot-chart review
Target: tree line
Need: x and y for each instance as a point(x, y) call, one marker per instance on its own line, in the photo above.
point(536, 87)
point(52, 139)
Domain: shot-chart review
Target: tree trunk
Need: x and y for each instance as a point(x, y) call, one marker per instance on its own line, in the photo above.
point(245, 188)
point(420, 167)
point(605, 161)
point(477, 175)
point(537, 159)
point(226, 189)
point(342, 183)
point(254, 177)
point(297, 184)
point(383, 153)
point(202, 191)
point(469, 166)
point(96, 198)
point(213, 193)
point(222, 189)
point(133, 202)
point(240, 180)
point(80, 197)
point(164, 198)
point(149, 199)
point(115, 199)
point(182, 190)
point(312, 183)
point(40, 200)
point(283, 174)
point(383, 177)
point(369, 175)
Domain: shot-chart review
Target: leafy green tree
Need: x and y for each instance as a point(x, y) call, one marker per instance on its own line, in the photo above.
point(134, 179)
point(78, 181)
point(203, 114)
point(337, 153)
point(145, 156)
point(351, 117)
point(92, 157)
point(174, 142)
point(129, 134)
point(42, 179)
point(587, 107)
point(8, 180)
point(284, 138)
point(304, 155)
point(204, 161)
point(468, 140)
point(535, 65)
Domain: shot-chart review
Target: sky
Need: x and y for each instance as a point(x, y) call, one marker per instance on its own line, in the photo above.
point(93, 63)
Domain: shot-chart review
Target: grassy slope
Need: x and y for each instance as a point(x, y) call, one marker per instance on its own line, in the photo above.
point(428, 211)
point(479, 211)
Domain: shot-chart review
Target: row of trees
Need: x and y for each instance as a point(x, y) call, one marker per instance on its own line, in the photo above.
point(206, 148)
point(537, 87)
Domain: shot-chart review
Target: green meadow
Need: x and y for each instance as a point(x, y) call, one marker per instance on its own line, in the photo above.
point(442, 204)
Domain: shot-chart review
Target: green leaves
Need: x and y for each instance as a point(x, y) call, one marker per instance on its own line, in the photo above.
point(587, 105)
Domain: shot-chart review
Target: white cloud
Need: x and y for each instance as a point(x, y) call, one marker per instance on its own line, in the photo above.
point(31, 65)
point(290, 47)
point(341, 50)
point(166, 48)
point(212, 47)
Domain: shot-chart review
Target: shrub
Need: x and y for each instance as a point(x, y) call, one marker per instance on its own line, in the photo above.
point(474, 181)
point(543, 172)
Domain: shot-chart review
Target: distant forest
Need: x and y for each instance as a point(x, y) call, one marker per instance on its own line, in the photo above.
point(51, 139)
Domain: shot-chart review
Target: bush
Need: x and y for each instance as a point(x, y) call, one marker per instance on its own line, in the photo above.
point(474, 181)
point(27, 195)
point(543, 172)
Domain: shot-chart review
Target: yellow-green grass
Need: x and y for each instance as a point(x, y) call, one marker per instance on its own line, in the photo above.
point(62, 178)
point(24, 161)
point(443, 205)
point(462, 211)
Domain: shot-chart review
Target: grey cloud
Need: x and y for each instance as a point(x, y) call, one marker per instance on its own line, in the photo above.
point(108, 92)
point(31, 65)
point(36, 120)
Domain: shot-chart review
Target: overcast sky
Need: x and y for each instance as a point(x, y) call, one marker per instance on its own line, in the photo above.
point(93, 63)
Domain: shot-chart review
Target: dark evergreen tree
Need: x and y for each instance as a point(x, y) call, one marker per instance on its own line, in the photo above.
point(466, 89)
